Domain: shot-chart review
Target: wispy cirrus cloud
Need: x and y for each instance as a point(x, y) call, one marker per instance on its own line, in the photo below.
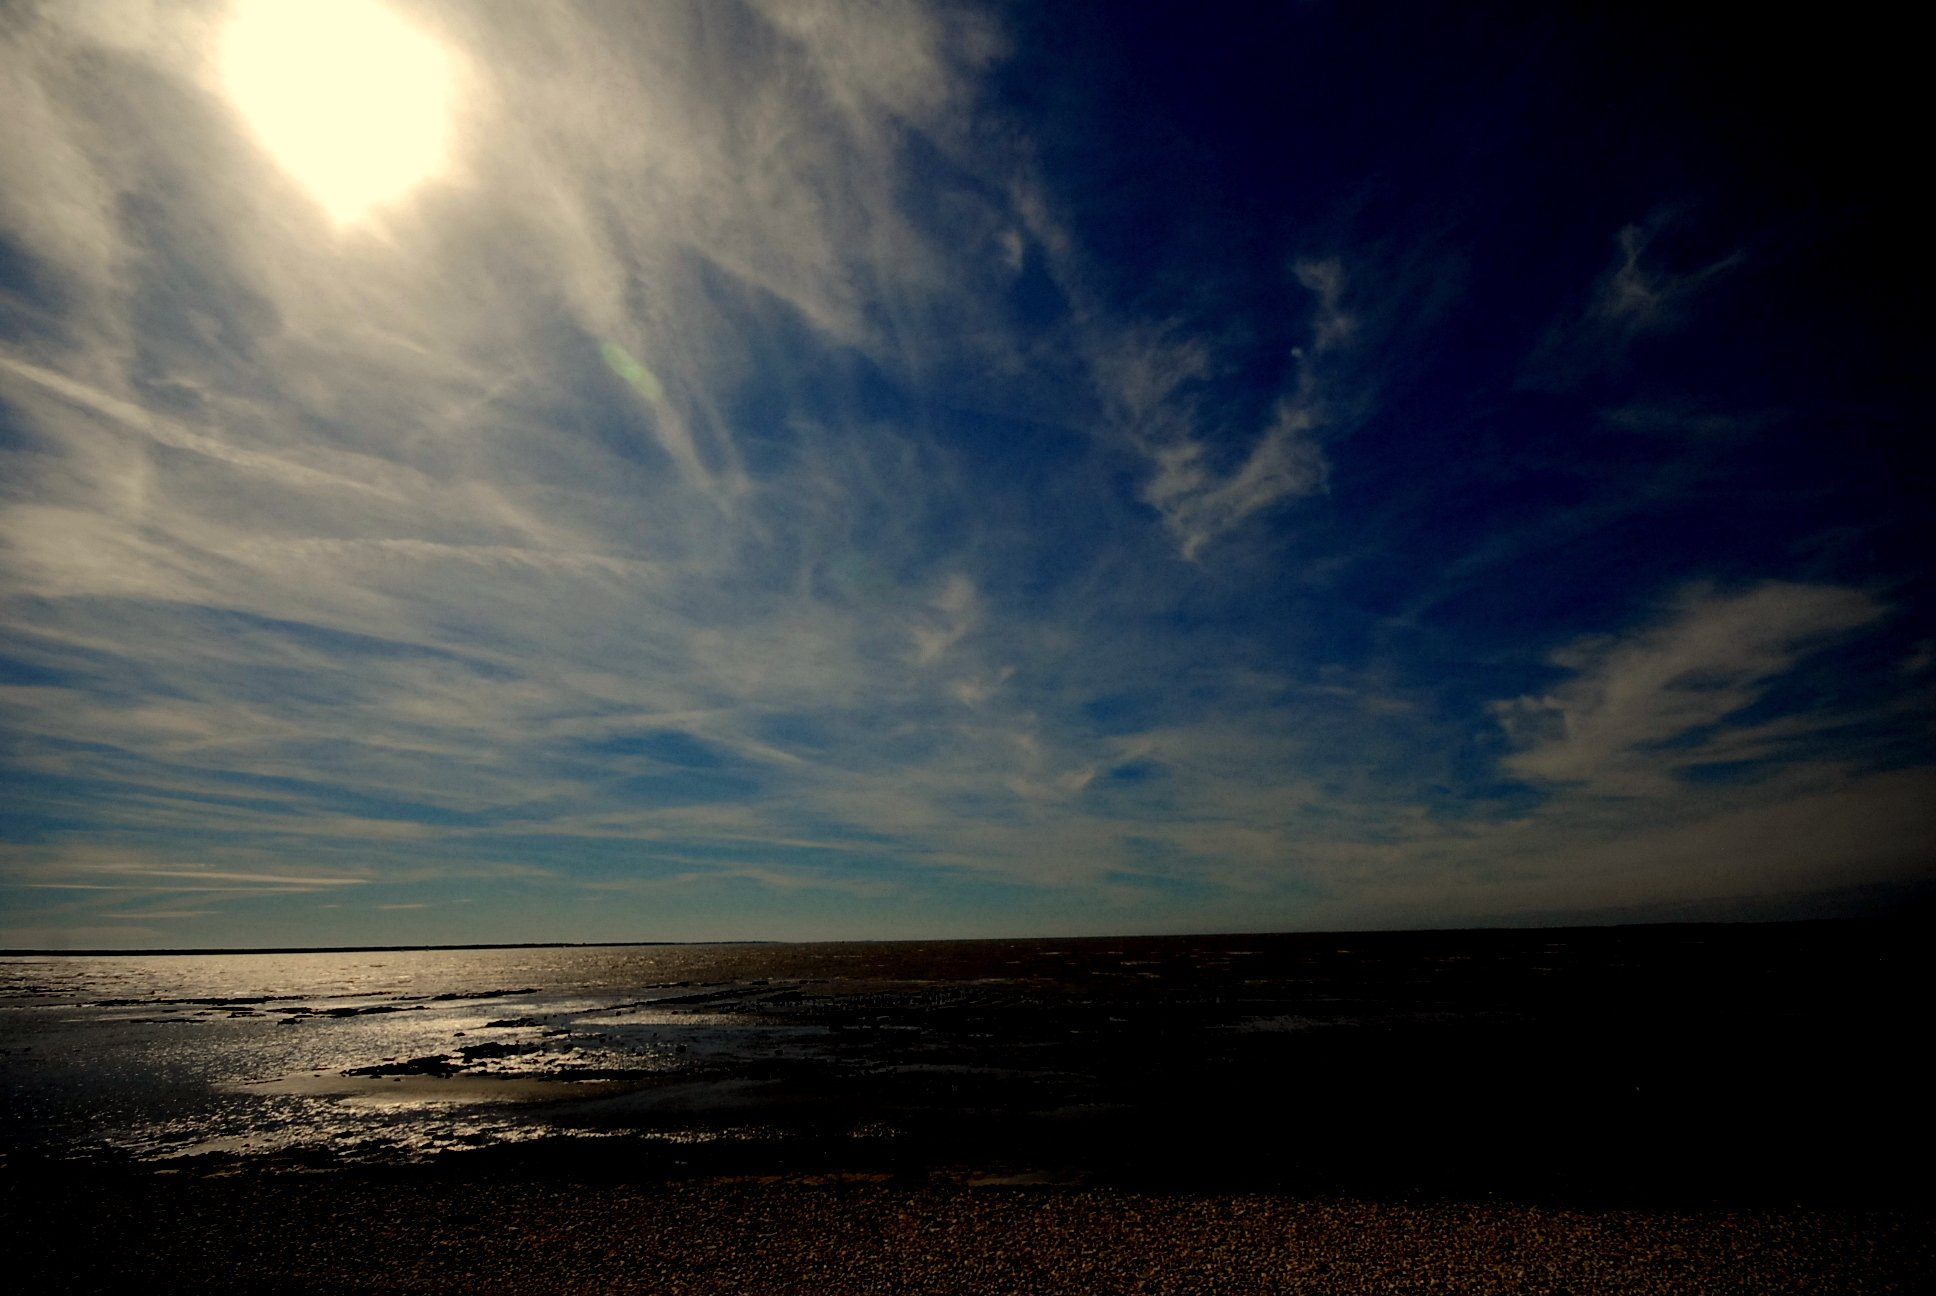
point(1639, 295)
point(1200, 505)
point(1644, 292)
point(1641, 708)
point(484, 591)
point(144, 878)
point(1204, 480)
point(740, 485)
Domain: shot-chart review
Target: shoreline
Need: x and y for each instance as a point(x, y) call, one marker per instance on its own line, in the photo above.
point(1110, 1159)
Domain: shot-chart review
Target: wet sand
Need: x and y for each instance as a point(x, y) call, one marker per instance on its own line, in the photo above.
point(346, 1233)
point(416, 1089)
point(1658, 1068)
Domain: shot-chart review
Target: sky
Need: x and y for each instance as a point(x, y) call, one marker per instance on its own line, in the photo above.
point(777, 469)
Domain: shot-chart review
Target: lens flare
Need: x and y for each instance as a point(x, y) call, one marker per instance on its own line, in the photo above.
point(626, 366)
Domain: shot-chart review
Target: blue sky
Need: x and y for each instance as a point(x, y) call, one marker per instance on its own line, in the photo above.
point(796, 470)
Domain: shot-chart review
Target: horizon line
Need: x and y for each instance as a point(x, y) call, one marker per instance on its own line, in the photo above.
point(922, 940)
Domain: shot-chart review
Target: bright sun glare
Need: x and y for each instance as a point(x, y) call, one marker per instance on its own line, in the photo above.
point(348, 98)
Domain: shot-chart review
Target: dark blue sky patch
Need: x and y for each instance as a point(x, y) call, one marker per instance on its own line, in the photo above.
point(39, 807)
point(1724, 773)
point(32, 298)
point(664, 746)
point(1134, 773)
point(320, 796)
point(1124, 713)
point(15, 671)
point(796, 732)
point(1496, 800)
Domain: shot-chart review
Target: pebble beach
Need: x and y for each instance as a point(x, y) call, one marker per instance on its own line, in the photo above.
point(296, 1233)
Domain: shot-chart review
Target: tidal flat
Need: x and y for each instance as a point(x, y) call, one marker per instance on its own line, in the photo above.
point(1675, 1108)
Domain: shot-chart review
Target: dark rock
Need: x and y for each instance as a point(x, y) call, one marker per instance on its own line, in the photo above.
point(434, 1064)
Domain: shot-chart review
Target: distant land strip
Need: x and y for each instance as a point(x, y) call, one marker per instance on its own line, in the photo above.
point(1400, 934)
point(357, 949)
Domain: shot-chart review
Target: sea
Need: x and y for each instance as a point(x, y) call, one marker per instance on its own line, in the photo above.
point(1706, 1063)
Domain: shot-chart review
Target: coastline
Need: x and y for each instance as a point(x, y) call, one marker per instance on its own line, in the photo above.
point(1639, 1111)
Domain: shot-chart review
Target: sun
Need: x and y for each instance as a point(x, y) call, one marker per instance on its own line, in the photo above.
point(348, 98)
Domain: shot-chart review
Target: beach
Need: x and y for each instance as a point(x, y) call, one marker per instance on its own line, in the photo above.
point(1674, 1109)
point(343, 1233)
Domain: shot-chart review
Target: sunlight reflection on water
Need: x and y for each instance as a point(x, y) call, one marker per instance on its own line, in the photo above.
point(250, 1054)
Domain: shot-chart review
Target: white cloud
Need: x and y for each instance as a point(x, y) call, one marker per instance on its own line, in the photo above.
point(957, 612)
point(1639, 707)
point(1199, 505)
point(216, 875)
point(1200, 489)
point(1639, 294)
point(1331, 326)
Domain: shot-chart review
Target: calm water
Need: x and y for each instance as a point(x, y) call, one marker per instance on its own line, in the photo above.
point(1522, 1060)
